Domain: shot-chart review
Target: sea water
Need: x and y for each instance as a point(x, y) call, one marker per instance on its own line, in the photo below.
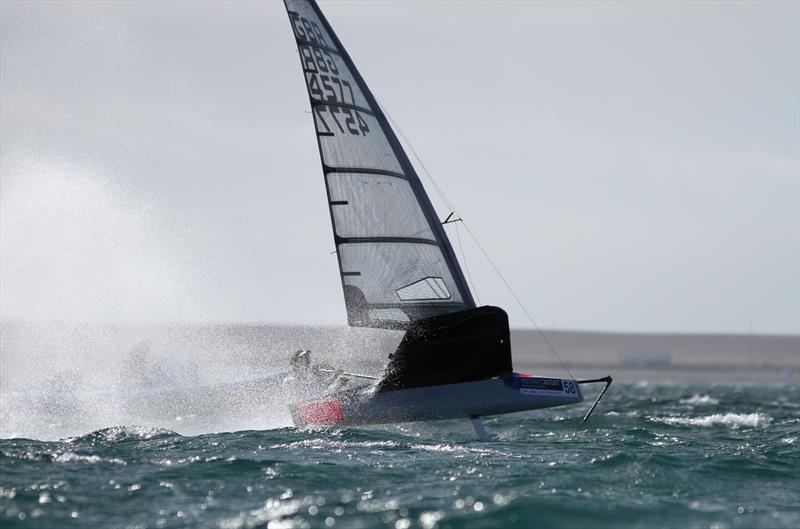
point(663, 455)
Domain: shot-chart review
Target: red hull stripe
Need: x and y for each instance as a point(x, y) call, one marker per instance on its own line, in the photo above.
point(323, 412)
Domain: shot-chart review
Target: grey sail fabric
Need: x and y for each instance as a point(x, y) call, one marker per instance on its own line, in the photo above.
point(395, 260)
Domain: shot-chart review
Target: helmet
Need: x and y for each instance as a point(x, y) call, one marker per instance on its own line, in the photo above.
point(300, 359)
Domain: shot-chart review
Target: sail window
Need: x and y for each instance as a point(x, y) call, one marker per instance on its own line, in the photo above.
point(424, 289)
point(389, 267)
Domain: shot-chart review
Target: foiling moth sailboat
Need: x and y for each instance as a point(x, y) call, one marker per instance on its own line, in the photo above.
point(398, 269)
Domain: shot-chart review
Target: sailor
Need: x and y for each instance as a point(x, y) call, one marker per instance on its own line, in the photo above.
point(309, 378)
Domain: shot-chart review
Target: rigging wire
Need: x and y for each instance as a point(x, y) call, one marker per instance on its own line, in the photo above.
point(519, 302)
point(466, 268)
point(441, 194)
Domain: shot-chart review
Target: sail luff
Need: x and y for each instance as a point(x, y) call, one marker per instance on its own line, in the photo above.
point(383, 222)
point(322, 161)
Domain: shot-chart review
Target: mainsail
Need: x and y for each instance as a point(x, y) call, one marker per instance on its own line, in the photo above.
point(396, 263)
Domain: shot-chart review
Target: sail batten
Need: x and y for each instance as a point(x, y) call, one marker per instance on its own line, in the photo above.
point(343, 105)
point(395, 260)
point(366, 240)
point(364, 170)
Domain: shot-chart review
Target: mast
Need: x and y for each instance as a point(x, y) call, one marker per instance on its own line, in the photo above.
point(395, 260)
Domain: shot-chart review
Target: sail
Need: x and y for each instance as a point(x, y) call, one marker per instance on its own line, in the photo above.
point(396, 263)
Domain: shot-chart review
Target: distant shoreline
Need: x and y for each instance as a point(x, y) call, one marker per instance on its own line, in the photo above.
point(662, 357)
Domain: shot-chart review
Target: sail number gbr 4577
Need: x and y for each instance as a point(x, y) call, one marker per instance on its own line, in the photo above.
point(326, 83)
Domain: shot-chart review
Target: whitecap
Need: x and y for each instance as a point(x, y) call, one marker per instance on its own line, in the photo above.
point(700, 400)
point(732, 420)
point(71, 457)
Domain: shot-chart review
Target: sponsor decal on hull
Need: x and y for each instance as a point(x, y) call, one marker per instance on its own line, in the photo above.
point(544, 386)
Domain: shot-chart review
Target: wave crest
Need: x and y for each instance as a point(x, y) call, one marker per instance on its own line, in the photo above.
point(731, 420)
point(118, 434)
point(700, 400)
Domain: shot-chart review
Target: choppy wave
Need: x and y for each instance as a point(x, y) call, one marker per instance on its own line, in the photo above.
point(117, 434)
point(647, 459)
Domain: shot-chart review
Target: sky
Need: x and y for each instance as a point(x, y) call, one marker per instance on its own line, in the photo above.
point(627, 166)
